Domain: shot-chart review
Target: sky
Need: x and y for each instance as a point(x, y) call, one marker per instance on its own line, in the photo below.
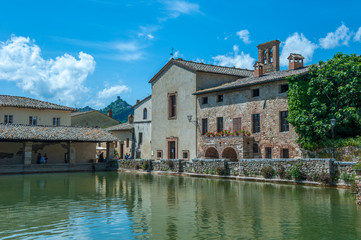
point(87, 52)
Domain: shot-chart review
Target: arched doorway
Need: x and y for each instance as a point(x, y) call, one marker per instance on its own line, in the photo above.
point(211, 153)
point(230, 153)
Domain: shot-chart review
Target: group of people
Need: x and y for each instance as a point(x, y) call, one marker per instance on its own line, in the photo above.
point(42, 159)
point(127, 156)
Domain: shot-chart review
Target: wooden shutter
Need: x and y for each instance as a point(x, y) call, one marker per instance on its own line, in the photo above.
point(237, 124)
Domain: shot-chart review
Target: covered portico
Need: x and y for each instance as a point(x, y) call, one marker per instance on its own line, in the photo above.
point(65, 147)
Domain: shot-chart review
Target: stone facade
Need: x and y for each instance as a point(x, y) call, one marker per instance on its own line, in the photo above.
point(241, 104)
point(358, 188)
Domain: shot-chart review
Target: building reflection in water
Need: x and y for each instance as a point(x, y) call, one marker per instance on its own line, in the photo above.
point(168, 207)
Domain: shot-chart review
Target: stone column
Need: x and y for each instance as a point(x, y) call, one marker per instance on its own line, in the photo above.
point(28, 148)
point(110, 151)
point(358, 187)
point(72, 153)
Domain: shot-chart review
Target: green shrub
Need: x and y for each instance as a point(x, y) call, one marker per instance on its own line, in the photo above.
point(357, 166)
point(211, 172)
point(268, 172)
point(220, 171)
point(206, 171)
point(348, 177)
point(145, 166)
point(288, 175)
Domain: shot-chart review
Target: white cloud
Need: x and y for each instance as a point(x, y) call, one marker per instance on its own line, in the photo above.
point(241, 60)
point(244, 35)
point(127, 51)
point(340, 37)
point(112, 91)
point(357, 37)
point(176, 8)
point(297, 43)
point(62, 78)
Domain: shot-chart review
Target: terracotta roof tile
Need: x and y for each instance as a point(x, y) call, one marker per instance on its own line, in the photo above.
point(120, 127)
point(50, 133)
point(24, 102)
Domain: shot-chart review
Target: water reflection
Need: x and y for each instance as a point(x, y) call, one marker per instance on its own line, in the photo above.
point(127, 206)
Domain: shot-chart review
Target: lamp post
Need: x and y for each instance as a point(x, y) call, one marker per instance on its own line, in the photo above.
point(333, 124)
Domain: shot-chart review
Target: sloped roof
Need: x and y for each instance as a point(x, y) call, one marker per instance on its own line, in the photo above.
point(50, 133)
point(24, 102)
point(121, 127)
point(202, 67)
point(75, 114)
point(249, 81)
point(81, 113)
point(142, 101)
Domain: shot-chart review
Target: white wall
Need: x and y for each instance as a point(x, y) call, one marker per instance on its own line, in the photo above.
point(143, 126)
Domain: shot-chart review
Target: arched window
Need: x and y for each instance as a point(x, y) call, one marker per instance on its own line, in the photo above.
point(145, 112)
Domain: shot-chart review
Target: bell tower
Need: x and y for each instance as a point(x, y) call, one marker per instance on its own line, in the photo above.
point(269, 56)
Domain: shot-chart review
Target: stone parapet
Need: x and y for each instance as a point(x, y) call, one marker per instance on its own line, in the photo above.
point(358, 188)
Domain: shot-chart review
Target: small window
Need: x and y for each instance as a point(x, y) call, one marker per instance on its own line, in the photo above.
point(204, 100)
point(204, 126)
point(186, 155)
point(255, 148)
point(284, 88)
point(8, 119)
point(127, 143)
point(237, 124)
point(219, 124)
point(285, 127)
point(268, 152)
point(255, 92)
point(116, 144)
point(145, 114)
point(172, 106)
point(285, 153)
point(56, 121)
point(256, 123)
point(99, 144)
point(220, 98)
point(140, 138)
point(159, 154)
point(33, 120)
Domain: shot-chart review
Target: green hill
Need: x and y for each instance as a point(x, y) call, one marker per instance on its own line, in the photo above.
point(120, 108)
point(85, 109)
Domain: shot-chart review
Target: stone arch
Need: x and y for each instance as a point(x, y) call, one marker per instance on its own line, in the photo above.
point(211, 153)
point(230, 153)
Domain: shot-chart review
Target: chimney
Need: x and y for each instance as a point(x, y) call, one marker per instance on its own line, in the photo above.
point(110, 113)
point(269, 55)
point(258, 69)
point(130, 118)
point(295, 61)
point(138, 101)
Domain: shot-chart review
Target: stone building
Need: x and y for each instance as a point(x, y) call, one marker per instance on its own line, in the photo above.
point(174, 111)
point(142, 128)
point(93, 119)
point(30, 127)
point(249, 115)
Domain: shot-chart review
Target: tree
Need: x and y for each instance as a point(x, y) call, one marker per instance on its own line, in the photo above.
point(331, 89)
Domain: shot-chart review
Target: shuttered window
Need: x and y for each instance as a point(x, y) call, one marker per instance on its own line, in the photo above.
point(237, 126)
point(219, 124)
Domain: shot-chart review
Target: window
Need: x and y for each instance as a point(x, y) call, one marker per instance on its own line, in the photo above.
point(256, 123)
point(285, 127)
point(172, 106)
point(99, 144)
point(204, 100)
point(219, 124)
point(204, 126)
point(284, 88)
point(237, 124)
point(140, 138)
point(185, 154)
point(145, 113)
point(127, 142)
point(285, 153)
point(255, 148)
point(268, 152)
point(116, 144)
point(8, 119)
point(255, 92)
point(159, 154)
point(220, 98)
point(33, 120)
point(56, 121)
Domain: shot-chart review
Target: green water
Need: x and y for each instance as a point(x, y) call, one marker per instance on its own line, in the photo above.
point(132, 206)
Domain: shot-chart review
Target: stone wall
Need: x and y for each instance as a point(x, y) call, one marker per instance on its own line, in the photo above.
point(358, 188)
point(313, 170)
point(344, 154)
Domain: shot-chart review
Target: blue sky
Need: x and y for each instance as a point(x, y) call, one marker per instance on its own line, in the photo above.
point(87, 52)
